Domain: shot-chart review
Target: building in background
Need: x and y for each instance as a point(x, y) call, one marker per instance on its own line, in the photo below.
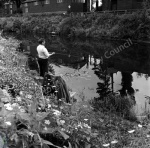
point(59, 6)
point(54, 6)
point(9, 8)
point(41, 6)
point(121, 4)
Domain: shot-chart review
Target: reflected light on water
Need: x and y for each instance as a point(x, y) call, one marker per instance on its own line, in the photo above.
point(141, 85)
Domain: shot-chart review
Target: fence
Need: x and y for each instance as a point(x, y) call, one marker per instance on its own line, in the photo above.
point(117, 12)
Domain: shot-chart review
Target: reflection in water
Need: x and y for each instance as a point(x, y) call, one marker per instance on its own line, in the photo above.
point(127, 89)
point(138, 89)
point(103, 87)
point(133, 60)
point(126, 84)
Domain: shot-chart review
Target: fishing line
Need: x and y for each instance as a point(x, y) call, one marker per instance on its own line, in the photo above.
point(69, 55)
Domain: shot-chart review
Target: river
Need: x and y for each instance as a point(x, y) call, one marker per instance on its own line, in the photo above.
point(80, 63)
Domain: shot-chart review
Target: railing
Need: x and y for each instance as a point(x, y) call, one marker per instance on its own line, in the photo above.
point(107, 11)
point(121, 11)
point(3, 13)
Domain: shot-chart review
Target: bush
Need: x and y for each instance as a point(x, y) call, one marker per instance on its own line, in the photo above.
point(32, 24)
point(134, 26)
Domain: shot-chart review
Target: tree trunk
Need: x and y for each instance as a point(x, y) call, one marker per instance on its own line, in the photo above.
point(96, 5)
point(18, 3)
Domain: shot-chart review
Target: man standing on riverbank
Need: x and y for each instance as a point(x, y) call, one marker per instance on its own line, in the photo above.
point(43, 56)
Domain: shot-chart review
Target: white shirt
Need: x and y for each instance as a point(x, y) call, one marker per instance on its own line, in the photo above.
point(42, 52)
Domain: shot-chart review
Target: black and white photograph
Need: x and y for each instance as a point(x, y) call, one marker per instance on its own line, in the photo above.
point(74, 73)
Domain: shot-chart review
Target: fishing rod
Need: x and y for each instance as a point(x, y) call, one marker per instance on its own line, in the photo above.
point(69, 55)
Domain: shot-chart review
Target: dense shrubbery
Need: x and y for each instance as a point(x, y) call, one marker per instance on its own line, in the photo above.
point(134, 26)
point(30, 24)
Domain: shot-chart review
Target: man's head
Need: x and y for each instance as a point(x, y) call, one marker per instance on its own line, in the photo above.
point(41, 41)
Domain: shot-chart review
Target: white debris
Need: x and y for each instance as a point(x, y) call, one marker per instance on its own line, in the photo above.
point(8, 123)
point(114, 142)
point(106, 145)
point(131, 131)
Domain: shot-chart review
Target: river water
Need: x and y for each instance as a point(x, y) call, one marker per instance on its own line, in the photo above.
point(80, 63)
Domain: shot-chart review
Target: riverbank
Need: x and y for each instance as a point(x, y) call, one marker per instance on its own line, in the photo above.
point(99, 26)
point(80, 124)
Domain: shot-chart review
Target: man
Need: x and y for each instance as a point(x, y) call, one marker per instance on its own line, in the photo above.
point(43, 56)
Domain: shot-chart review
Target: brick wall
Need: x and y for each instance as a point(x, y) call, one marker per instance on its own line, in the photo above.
point(80, 7)
point(76, 7)
point(106, 5)
point(137, 5)
point(52, 7)
point(122, 5)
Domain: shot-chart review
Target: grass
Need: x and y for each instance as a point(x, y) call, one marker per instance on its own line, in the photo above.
point(84, 125)
point(113, 130)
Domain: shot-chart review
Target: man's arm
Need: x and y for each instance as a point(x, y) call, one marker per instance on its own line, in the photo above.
point(47, 54)
point(51, 53)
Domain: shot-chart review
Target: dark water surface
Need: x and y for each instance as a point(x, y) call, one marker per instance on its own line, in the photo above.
point(128, 70)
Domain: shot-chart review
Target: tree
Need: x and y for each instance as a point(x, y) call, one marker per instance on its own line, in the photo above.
point(17, 2)
point(146, 4)
point(96, 5)
point(2, 3)
point(42, 2)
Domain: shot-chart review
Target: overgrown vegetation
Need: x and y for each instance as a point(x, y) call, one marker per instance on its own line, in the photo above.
point(33, 120)
point(134, 26)
point(31, 24)
point(119, 103)
point(30, 119)
point(95, 25)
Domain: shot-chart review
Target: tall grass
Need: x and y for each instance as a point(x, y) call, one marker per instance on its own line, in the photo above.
point(135, 25)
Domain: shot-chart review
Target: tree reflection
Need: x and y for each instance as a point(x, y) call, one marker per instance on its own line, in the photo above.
point(103, 87)
point(139, 75)
point(126, 84)
point(146, 76)
point(109, 101)
point(127, 89)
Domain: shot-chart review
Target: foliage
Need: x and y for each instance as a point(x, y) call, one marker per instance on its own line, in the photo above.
point(134, 25)
point(26, 114)
point(146, 4)
point(29, 119)
point(17, 2)
point(110, 101)
point(31, 24)
point(2, 3)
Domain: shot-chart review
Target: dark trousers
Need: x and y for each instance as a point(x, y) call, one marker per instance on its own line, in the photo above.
point(43, 64)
